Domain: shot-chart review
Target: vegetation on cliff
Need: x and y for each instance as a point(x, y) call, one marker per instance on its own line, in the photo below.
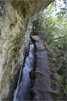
point(51, 26)
point(14, 18)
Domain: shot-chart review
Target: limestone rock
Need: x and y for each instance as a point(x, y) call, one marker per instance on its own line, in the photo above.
point(14, 18)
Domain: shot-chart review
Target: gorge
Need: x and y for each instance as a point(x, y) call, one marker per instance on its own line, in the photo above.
point(15, 17)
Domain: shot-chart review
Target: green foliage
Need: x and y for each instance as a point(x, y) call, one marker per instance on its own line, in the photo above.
point(53, 30)
point(62, 12)
point(63, 78)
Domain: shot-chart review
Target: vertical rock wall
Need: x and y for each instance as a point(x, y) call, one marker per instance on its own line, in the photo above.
point(14, 18)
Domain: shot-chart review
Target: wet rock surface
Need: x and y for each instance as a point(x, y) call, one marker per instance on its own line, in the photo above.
point(41, 76)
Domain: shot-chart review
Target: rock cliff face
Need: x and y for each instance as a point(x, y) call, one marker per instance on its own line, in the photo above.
point(14, 18)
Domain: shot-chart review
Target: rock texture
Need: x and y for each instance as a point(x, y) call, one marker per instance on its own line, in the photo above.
point(41, 76)
point(14, 18)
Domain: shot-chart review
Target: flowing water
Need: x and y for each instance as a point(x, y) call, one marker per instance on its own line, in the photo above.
point(22, 90)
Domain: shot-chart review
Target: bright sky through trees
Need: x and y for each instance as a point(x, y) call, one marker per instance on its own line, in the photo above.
point(57, 8)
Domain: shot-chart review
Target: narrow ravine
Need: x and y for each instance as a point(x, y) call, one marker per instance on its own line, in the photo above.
point(23, 88)
point(35, 82)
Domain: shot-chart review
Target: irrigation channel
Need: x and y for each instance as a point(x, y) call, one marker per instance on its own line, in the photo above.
point(22, 91)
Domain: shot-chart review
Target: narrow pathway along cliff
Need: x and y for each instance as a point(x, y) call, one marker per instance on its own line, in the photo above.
point(14, 19)
point(42, 84)
point(35, 83)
